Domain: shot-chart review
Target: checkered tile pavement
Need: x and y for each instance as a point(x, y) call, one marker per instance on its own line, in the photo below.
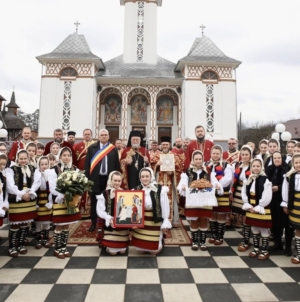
point(176, 274)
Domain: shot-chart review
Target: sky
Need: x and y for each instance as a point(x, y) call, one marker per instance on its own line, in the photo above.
point(264, 35)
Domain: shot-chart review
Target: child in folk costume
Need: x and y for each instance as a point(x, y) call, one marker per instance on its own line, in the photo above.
point(289, 151)
point(4, 205)
point(263, 150)
point(198, 215)
point(31, 149)
point(257, 195)
point(44, 210)
point(223, 174)
point(156, 216)
point(61, 218)
point(115, 240)
point(291, 207)
point(242, 172)
point(54, 149)
point(273, 145)
point(52, 160)
point(22, 202)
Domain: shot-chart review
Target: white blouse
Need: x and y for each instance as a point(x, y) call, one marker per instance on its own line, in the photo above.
point(226, 180)
point(285, 189)
point(265, 198)
point(13, 189)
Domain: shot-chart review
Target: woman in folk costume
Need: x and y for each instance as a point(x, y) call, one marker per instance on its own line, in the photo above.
point(115, 240)
point(61, 218)
point(289, 151)
point(273, 145)
point(156, 216)
point(4, 205)
point(275, 173)
point(31, 149)
point(291, 207)
point(44, 209)
point(257, 195)
point(241, 173)
point(197, 215)
point(22, 202)
point(222, 171)
point(54, 149)
point(263, 150)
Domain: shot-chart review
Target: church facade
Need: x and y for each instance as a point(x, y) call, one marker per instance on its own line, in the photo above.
point(138, 89)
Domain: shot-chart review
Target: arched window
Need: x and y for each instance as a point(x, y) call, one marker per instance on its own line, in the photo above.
point(68, 72)
point(209, 75)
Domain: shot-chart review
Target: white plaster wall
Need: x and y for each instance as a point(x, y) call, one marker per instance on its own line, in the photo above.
point(82, 104)
point(194, 109)
point(130, 32)
point(51, 110)
point(52, 90)
point(194, 106)
point(150, 33)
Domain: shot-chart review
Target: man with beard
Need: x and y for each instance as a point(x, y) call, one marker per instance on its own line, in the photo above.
point(179, 154)
point(119, 146)
point(186, 142)
point(154, 154)
point(199, 144)
point(71, 138)
point(232, 155)
point(168, 179)
point(80, 150)
point(58, 138)
point(26, 138)
point(133, 159)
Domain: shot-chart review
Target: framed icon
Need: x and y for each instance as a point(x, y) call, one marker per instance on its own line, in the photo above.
point(168, 162)
point(129, 208)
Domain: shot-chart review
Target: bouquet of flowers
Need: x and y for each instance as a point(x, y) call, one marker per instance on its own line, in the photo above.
point(73, 184)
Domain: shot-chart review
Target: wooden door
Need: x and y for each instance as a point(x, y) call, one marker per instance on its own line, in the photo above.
point(113, 133)
point(164, 131)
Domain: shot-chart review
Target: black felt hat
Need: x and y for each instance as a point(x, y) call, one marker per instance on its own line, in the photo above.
point(165, 139)
point(71, 133)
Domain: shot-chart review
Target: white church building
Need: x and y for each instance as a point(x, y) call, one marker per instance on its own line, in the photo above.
point(138, 89)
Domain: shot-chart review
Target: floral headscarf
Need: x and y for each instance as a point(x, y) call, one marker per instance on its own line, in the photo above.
point(193, 166)
point(25, 169)
point(67, 166)
point(253, 176)
point(152, 179)
point(110, 186)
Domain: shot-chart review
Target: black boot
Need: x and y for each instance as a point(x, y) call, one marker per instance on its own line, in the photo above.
point(221, 231)
point(264, 254)
point(213, 231)
point(244, 246)
point(58, 252)
point(289, 233)
point(46, 242)
point(255, 252)
point(203, 240)
point(195, 239)
point(38, 238)
point(64, 241)
point(13, 243)
point(22, 239)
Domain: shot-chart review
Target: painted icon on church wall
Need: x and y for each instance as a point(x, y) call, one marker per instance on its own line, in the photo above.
point(164, 111)
point(113, 106)
point(139, 110)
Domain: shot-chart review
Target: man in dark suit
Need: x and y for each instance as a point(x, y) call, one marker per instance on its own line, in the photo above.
point(98, 170)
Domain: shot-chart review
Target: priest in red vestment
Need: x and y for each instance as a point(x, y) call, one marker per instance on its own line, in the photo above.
point(80, 150)
point(179, 168)
point(133, 159)
point(26, 138)
point(201, 144)
point(58, 138)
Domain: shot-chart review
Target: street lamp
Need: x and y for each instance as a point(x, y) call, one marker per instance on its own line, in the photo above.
point(281, 135)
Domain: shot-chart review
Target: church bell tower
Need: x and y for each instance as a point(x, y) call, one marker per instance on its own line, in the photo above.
point(140, 31)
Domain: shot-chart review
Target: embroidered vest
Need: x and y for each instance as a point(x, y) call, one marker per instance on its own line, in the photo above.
point(193, 175)
point(156, 207)
point(259, 188)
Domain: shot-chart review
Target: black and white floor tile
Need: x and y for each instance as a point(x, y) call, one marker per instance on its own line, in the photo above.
point(176, 274)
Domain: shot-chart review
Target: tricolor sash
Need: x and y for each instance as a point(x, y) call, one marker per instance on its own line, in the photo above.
point(100, 155)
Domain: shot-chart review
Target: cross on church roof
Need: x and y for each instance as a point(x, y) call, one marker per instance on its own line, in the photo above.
point(76, 23)
point(202, 27)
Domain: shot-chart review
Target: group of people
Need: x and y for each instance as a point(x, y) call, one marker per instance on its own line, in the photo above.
point(206, 185)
